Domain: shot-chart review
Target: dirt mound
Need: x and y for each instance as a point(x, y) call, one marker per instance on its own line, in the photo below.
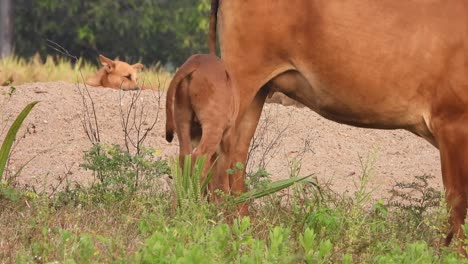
point(53, 140)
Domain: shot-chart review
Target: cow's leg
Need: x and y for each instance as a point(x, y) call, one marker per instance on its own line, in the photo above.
point(452, 139)
point(210, 140)
point(244, 132)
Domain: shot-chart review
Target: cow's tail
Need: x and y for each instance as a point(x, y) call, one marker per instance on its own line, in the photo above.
point(186, 69)
point(213, 25)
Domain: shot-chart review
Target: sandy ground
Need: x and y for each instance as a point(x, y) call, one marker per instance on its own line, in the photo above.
point(53, 140)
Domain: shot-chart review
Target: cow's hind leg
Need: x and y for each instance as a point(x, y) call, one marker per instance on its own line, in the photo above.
point(452, 139)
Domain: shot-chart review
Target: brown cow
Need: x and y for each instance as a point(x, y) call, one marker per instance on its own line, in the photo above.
point(378, 64)
point(201, 106)
point(116, 74)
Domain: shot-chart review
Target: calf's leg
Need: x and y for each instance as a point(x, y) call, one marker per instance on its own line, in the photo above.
point(183, 130)
point(210, 140)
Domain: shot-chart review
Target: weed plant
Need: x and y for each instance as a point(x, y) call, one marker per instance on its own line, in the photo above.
point(119, 173)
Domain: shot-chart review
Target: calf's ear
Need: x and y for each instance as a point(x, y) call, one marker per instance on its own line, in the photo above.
point(108, 64)
point(138, 66)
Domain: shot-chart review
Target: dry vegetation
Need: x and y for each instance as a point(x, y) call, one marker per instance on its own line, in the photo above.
point(17, 71)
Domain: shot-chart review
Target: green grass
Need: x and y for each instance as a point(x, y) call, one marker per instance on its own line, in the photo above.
point(306, 224)
point(61, 69)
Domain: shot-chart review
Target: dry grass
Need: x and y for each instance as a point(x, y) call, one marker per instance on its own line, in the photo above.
point(16, 71)
point(35, 223)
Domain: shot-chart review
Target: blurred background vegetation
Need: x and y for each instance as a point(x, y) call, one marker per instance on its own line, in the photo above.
point(150, 31)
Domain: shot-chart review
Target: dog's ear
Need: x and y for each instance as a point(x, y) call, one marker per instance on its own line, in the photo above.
point(108, 64)
point(138, 66)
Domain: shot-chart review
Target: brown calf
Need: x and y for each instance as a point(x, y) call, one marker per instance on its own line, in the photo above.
point(202, 106)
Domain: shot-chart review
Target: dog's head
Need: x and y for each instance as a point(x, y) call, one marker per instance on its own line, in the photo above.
point(120, 74)
point(116, 74)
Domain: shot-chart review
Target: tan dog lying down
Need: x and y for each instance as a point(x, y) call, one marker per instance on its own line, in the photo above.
point(202, 105)
point(116, 74)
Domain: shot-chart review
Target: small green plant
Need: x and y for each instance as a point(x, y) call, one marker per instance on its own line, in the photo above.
point(417, 253)
point(237, 167)
point(258, 179)
point(416, 197)
point(118, 172)
point(324, 220)
point(279, 245)
point(187, 186)
point(315, 251)
point(414, 203)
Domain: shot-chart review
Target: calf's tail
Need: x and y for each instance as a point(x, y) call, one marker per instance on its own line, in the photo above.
point(185, 70)
point(213, 25)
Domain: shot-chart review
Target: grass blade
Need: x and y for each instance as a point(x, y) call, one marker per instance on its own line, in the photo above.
point(11, 136)
point(208, 176)
point(269, 189)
